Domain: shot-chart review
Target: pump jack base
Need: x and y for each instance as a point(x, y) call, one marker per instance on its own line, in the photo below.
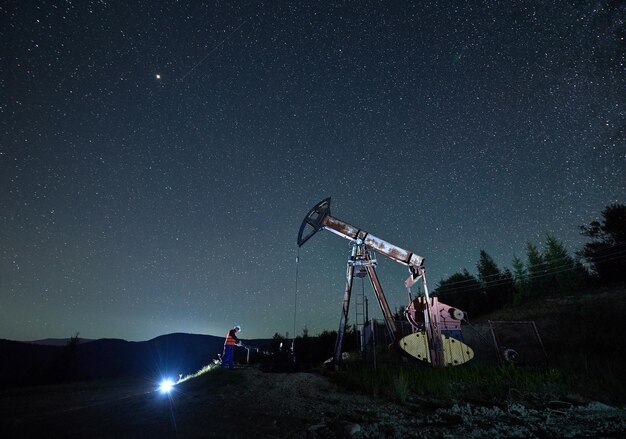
point(455, 352)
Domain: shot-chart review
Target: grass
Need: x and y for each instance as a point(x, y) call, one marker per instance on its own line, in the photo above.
point(208, 368)
point(211, 377)
point(577, 374)
point(476, 383)
point(583, 337)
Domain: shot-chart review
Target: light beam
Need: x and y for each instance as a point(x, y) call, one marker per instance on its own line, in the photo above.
point(166, 385)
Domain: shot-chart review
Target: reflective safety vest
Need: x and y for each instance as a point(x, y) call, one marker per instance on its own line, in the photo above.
point(230, 340)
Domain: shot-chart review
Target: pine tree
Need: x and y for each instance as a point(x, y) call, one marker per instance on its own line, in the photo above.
point(607, 253)
point(536, 271)
point(520, 276)
point(562, 273)
point(463, 291)
point(496, 284)
point(488, 271)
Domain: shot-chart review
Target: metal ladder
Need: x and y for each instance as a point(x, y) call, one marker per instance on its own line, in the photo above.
point(360, 307)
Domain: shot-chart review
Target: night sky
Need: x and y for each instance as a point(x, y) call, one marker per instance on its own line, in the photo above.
point(158, 157)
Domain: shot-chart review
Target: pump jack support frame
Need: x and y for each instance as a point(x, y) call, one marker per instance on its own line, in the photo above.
point(360, 257)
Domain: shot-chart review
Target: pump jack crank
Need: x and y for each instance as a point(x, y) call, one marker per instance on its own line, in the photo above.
point(426, 342)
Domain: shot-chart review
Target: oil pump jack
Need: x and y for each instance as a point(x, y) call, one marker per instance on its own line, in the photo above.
point(427, 316)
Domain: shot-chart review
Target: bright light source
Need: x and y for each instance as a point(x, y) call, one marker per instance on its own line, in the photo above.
point(166, 385)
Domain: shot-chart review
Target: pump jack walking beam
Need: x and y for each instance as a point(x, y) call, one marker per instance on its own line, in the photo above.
point(319, 218)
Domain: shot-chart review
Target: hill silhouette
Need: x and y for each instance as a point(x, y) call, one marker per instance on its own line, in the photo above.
point(25, 364)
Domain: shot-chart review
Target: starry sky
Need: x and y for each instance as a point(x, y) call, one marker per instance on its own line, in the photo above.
point(158, 157)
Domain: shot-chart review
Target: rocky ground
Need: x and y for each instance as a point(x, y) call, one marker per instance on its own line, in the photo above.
point(247, 402)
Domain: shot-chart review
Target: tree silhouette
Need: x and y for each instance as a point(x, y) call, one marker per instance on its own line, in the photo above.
point(607, 252)
point(69, 361)
point(463, 291)
point(563, 274)
point(536, 271)
point(520, 276)
point(497, 284)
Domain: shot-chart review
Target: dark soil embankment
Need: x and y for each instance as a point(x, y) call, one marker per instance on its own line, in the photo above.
point(250, 403)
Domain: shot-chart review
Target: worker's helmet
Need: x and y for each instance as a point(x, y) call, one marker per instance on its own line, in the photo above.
point(238, 328)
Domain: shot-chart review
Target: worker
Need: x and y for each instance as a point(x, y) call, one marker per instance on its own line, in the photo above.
point(228, 358)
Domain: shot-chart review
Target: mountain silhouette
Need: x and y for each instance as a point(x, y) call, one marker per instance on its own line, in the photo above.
point(170, 355)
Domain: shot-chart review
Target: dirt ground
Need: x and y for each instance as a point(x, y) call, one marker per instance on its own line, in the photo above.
point(249, 403)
